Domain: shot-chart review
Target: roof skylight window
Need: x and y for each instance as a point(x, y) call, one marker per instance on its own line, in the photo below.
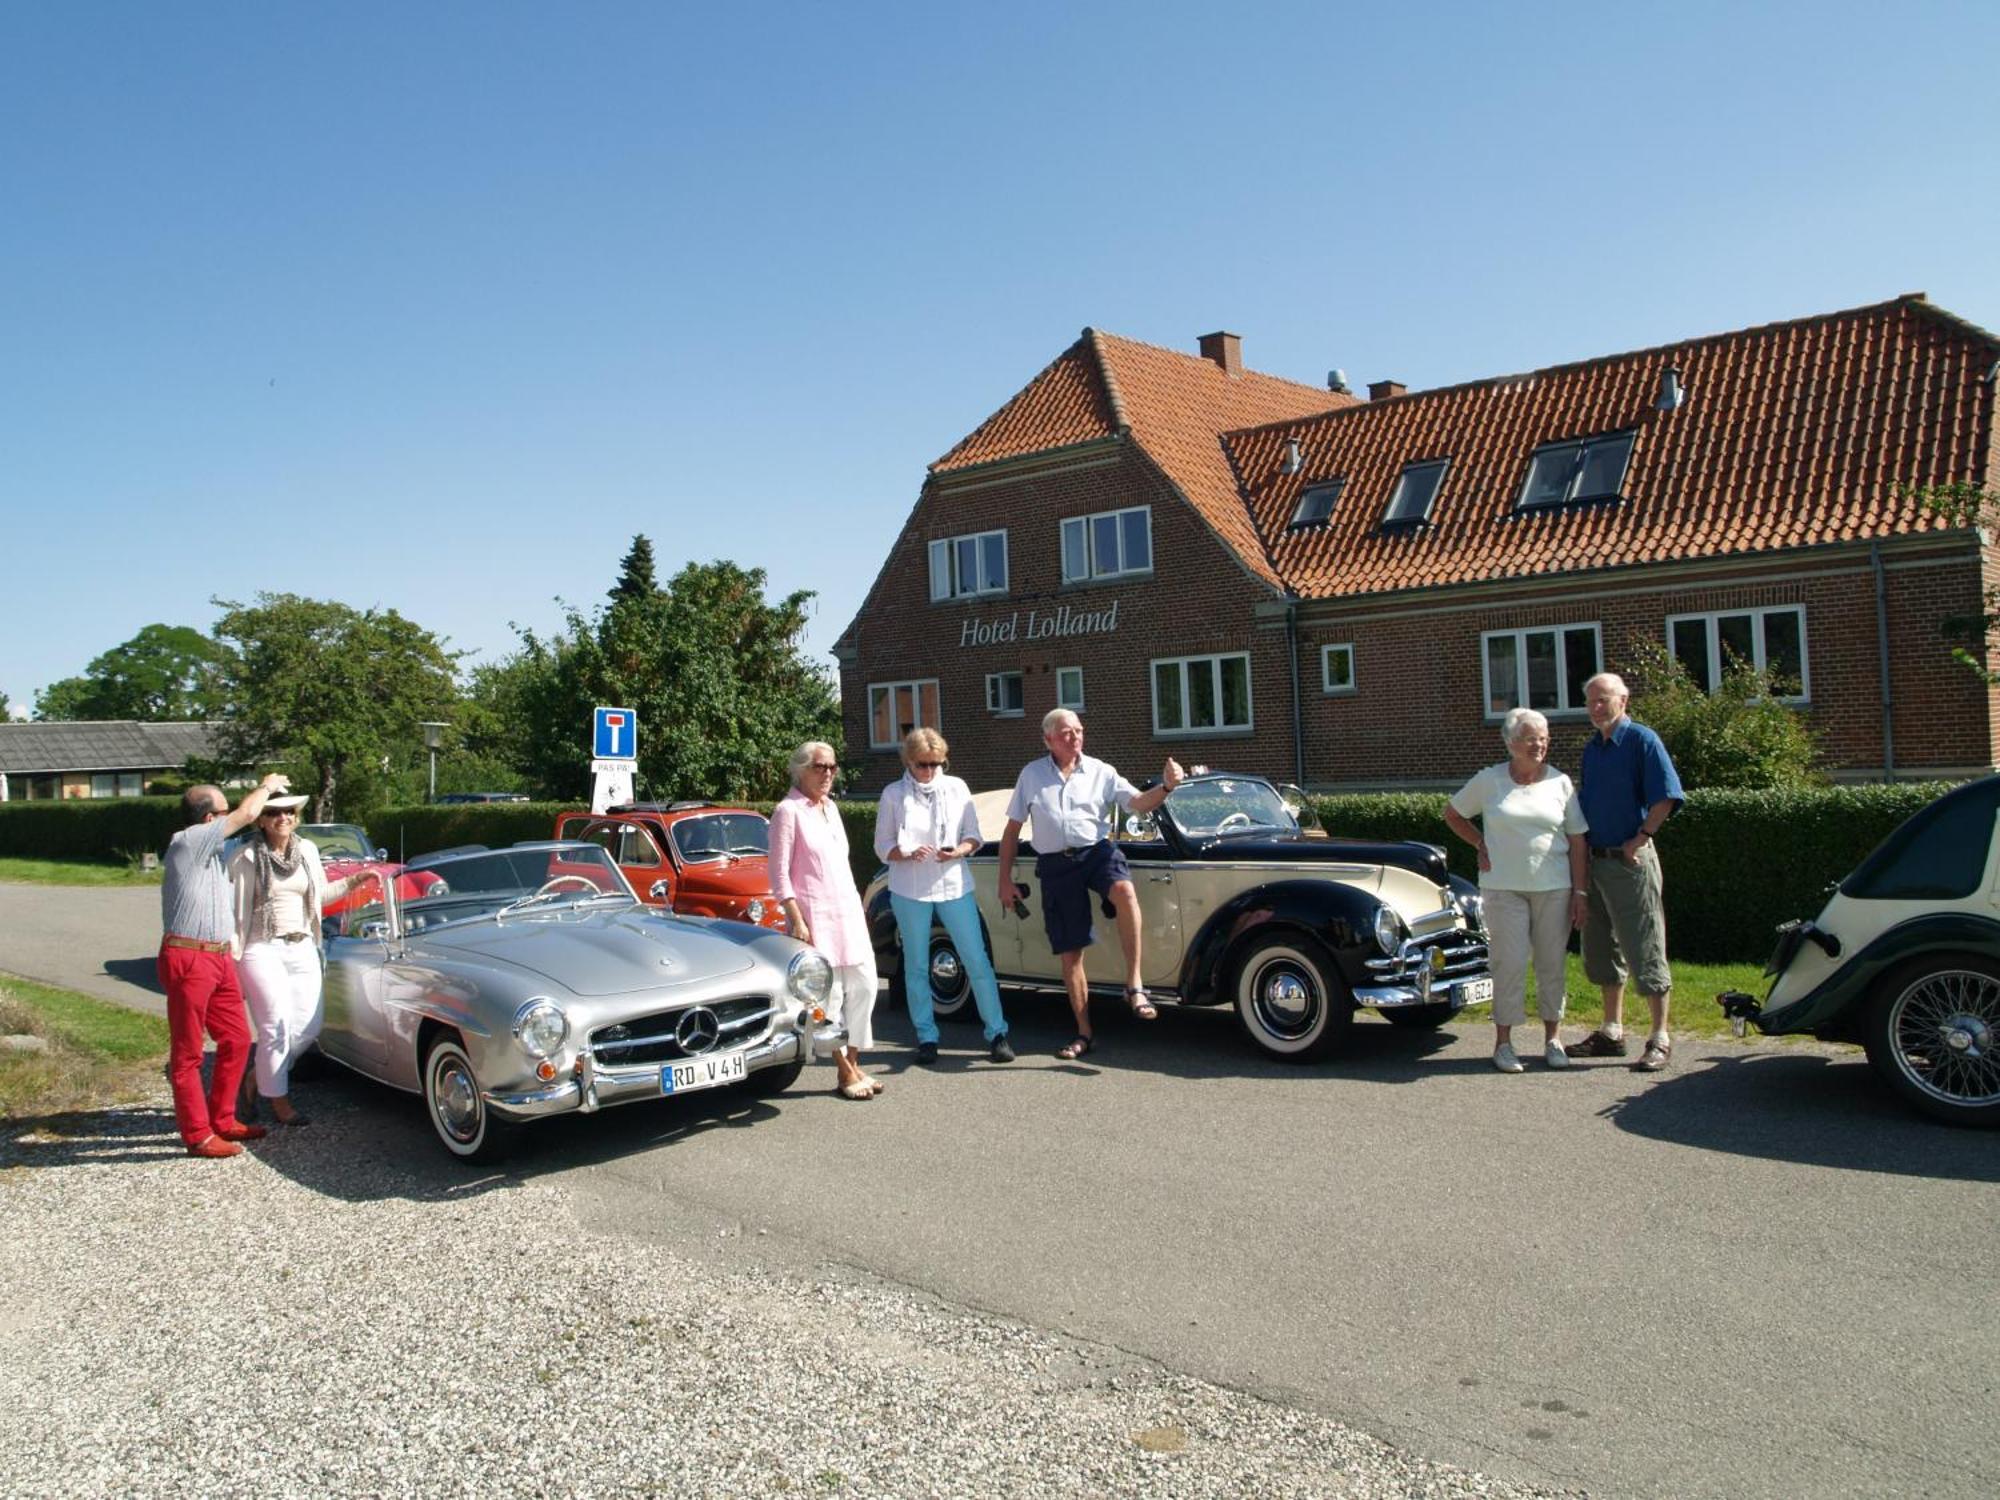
point(1416, 491)
point(1582, 469)
point(1316, 504)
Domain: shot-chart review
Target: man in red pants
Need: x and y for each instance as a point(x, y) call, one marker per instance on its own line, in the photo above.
point(199, 918)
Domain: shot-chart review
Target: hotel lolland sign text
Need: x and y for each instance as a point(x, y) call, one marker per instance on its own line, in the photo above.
point(1041, 625)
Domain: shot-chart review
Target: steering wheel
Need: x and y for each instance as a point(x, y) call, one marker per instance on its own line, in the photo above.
point(564, 882)
point(1238, 819)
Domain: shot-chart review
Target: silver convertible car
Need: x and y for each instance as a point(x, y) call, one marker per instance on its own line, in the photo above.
point(530, 981)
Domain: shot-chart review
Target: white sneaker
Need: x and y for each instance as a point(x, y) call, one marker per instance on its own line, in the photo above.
point(1554, 1055)
point(1505, 1060)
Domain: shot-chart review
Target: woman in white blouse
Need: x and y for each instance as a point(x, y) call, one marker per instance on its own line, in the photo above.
point(925, 826)
point(281, 889)
point(1533, 876)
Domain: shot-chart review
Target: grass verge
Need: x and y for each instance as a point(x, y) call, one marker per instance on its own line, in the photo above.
point(1695, 1012)
point(75, 872)
point(95, 1053)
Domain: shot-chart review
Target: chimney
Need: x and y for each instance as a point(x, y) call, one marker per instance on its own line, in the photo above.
point(1383, 390)
point(1226, 349)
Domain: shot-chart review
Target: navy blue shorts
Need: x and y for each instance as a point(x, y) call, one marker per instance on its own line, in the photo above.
point(1067, 882)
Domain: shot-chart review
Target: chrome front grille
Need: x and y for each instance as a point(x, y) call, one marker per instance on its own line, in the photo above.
point(652, 1038)
point(1461, 955)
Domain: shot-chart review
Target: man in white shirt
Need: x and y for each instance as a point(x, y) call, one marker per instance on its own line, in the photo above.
point(1064, 796)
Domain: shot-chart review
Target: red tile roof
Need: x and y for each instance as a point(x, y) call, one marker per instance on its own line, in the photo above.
point(1790, 434)
point(1174, 406)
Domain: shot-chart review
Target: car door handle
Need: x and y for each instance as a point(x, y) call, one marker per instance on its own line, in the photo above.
point(1161, 879)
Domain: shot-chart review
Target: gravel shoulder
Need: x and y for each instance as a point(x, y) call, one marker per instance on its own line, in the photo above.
point(170, 1326)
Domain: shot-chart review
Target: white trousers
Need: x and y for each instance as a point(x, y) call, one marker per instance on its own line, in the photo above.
point(281, 983)
point(1521, 925)
point(850, 1002)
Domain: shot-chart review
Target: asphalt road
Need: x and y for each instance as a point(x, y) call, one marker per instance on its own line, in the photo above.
point(1753, 1275)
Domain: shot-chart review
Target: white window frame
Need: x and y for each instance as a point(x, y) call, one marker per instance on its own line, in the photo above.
point(1074, 705)
point(1416, 466)
point(995, 704)
point(1326, 683)
point(1187, 666)
point(1519, 637)
point(1330, 488)
point(916, 686)
point(1759, 658)
point(946, 585)
point(1579, 449)
point(1093, 568)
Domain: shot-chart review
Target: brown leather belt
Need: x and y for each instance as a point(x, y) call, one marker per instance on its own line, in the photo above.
point(290, 937)
point(172, 941)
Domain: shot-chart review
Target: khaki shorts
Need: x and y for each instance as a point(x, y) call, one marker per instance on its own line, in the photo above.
point(1627, 925)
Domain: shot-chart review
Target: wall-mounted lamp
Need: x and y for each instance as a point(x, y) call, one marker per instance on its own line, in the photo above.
point(1671, 394)
point(1294, 458)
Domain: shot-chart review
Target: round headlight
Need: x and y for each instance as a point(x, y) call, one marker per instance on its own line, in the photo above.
point(1388, 929)
point(755, 910)
point(810, 976)
point(541, 1028)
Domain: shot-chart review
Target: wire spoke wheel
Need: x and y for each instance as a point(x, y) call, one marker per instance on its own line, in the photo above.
point(1935, 1036)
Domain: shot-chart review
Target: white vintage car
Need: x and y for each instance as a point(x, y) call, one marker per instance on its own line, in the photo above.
point(1241, 906)
point(1905, 959)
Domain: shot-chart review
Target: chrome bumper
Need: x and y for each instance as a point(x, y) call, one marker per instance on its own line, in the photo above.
point(593, 1087)
point(1424, 970)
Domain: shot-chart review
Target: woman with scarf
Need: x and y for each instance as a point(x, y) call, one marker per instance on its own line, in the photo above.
point(281, 888)
point(925, 826)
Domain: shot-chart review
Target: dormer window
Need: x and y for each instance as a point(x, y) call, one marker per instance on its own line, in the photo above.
point(1316, 504)
point(1416, 491)
point(1582, 469)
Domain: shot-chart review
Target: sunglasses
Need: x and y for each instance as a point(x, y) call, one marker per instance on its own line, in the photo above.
point(928, 765)
point(820, 765)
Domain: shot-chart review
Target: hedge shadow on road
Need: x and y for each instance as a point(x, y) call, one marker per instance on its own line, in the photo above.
point(1812, 1108)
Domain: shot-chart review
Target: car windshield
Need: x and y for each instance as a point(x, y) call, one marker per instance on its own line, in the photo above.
point(1224, 806)
point(526, 879)
point(339, 840)
point(720, 835)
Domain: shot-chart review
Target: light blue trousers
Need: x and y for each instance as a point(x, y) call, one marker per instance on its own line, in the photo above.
point(961, 919)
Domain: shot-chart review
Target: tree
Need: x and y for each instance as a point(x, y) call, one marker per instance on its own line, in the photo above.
point(1738, 735)
point(713, 670)
point(6, 708)
point(636, 577)
point(1973, 636)
point(334, 689)
point(164, 673)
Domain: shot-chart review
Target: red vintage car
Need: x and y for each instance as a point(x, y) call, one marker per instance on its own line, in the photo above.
point(697, 858)
point(345, 849)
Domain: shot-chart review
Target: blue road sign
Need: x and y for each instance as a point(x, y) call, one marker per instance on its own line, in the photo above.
point(614, 734)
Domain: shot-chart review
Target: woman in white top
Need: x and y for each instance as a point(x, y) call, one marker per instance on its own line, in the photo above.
point(925, 826)
point(281, 889)
point(1533, 875)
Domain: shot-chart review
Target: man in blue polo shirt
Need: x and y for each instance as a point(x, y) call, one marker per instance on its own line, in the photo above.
point(1064, 795)
point(1629, 789)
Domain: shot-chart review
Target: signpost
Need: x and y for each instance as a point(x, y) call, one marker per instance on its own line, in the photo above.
point(614, 751)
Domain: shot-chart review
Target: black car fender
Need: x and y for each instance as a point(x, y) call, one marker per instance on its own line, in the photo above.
point(1832, 1010)
point(1340, 917)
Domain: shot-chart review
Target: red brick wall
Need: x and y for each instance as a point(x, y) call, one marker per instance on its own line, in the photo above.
point(1199, 600)
point(1416, 717)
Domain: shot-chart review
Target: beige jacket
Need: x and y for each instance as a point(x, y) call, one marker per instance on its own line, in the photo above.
point(243, 877)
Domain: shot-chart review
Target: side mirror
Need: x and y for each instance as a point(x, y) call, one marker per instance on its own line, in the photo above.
point(1141, 826)
point(382, 855)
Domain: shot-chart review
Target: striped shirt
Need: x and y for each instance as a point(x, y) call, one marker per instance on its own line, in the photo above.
point(195, 898)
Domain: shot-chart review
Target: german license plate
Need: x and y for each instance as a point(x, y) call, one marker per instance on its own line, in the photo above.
point(711, 1071)
point(1475, 992)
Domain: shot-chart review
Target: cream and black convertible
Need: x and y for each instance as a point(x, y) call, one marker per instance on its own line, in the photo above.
point(1242, 906)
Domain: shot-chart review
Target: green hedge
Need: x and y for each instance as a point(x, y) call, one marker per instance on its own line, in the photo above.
point(1737, 862)
point(99, 828)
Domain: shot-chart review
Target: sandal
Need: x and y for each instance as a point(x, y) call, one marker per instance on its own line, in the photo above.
point(875, 1085)
point(858, 1089)
point(1075, 1049)
point(1142, 1007)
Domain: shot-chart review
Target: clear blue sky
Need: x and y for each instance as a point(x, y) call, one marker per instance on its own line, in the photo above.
point(433, 306)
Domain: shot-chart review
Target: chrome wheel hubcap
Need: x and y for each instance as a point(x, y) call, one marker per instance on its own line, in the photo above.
point(457, 1101)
